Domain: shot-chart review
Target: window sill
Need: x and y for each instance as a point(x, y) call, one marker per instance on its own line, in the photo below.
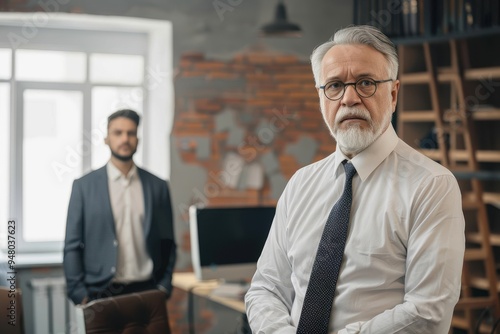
point(32, 260)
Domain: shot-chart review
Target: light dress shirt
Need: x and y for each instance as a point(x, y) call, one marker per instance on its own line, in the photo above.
point(403, 258)
point(127, 204)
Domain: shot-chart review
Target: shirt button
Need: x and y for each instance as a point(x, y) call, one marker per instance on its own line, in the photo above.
point(115, 242)
point(113, 270)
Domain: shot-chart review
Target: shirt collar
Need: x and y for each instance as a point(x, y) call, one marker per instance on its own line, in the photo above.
point(114, 173)
point(367, 160)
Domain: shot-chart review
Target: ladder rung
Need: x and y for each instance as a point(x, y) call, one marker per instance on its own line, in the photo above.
point(492, 199)
point(462, 155)
point(482, 283)
point(476, 238)
point(418, 116)
point(474, 302)
point(459, 322)
point(433, 154)
point(474, 254)
point(446, 75)
point(481, 73)
point(486, 113)
point(415, 78)
point(481, 155)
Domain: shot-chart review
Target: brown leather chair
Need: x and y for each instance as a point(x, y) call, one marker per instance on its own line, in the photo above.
point(11, 311)
point(137, 313)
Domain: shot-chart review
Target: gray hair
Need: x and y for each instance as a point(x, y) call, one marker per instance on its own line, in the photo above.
point(362, 34)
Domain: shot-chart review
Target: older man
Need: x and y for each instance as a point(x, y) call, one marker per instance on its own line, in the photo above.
point(371, 238)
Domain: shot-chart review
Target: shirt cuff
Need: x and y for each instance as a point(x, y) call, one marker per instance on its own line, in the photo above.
point(164, 290)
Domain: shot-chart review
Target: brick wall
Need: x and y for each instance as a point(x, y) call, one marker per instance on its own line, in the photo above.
point(259, 110)
point(273, 104)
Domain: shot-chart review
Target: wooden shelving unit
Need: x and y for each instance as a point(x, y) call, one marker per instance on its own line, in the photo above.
point(449, 109)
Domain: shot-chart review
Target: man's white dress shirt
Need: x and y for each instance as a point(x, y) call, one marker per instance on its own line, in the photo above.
point(127, 204)
point(403, 258)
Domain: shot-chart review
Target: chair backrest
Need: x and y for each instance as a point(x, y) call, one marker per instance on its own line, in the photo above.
point(143, 312)
point(11, 311)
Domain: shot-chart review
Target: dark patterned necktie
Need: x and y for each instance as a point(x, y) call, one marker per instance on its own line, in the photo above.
point(318, 301)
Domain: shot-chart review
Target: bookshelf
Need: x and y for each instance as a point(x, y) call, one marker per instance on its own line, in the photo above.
point(430, 20)
point(449, 109)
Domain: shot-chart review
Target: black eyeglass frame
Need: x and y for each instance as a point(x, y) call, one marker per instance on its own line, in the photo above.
point(376, 82)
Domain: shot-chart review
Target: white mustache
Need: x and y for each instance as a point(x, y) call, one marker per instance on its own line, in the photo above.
point(345, 113)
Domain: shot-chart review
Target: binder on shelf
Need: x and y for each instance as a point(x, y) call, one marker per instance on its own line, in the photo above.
point(428, 18)
point(406, 17)
point(414, 18)
point(495, 12)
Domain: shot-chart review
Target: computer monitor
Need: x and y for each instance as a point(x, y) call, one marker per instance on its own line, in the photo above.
point(226, 242)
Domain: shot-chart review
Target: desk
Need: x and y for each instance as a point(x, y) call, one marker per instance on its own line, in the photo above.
point(203, 289)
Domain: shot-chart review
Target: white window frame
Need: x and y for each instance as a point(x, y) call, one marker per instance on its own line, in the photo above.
point(158, 102)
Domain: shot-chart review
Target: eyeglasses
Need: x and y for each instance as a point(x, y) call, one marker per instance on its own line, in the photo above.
point(334, 90)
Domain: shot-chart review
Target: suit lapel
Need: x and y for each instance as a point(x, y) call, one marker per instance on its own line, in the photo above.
point(103, 196)
point(148, 202)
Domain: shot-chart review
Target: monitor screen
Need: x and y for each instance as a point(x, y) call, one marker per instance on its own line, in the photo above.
point(226, 242)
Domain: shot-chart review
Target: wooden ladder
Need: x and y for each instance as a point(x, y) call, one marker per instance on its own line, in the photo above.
point(454, 132)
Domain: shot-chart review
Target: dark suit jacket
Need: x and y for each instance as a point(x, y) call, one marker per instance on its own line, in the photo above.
point(90, 247)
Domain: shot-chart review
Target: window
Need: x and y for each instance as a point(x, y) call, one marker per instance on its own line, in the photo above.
point(56, 91)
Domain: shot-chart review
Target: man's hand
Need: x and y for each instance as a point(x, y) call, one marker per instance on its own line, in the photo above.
point(165, 291)
point(85, 300)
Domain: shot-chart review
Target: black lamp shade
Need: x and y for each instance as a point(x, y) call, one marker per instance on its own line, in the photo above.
point(280, 26)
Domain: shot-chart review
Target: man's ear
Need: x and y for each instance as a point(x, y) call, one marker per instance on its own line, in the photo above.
point(106, 141)
point(394, 94)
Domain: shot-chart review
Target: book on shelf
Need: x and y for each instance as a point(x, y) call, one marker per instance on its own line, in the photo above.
point(411, 18)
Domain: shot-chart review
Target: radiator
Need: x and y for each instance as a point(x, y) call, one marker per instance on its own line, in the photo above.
point(53, 313)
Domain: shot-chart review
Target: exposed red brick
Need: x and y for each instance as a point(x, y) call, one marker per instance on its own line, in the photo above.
point(296, 77)
point(193, 56)
point(285, 59)
point(210, 66)
point(258, 76)
point(259, 58)
point(207, 105)
point(222, 75)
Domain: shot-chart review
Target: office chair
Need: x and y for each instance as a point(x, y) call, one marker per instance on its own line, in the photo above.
point(11, 311)
point(135, 313)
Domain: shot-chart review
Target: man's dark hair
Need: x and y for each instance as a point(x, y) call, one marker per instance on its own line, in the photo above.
point(127, 113)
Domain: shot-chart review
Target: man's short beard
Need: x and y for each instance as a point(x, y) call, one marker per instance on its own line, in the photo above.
point(355, 139)
point(123, 158)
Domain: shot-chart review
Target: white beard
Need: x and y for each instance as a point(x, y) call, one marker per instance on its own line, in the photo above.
point(354, 139)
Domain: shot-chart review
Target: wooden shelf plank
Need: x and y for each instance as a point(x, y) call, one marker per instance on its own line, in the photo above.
point(459, 322)
point(415, 78)
point(476, 238)
point(492, 199)
point(481, 283)
point(474, 302)
point(486, 114)
point(482, 73)
point(478, 114)
point(481, 155)
point(488, 198)
point(417, 116)
point(474, 254)
point(461, 155)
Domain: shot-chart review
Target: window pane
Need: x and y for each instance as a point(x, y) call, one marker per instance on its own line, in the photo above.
point(6, 61)
point(53, 66)
point(122, 69)
point(105, 101)
point(4, 161)
point(52, 159)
